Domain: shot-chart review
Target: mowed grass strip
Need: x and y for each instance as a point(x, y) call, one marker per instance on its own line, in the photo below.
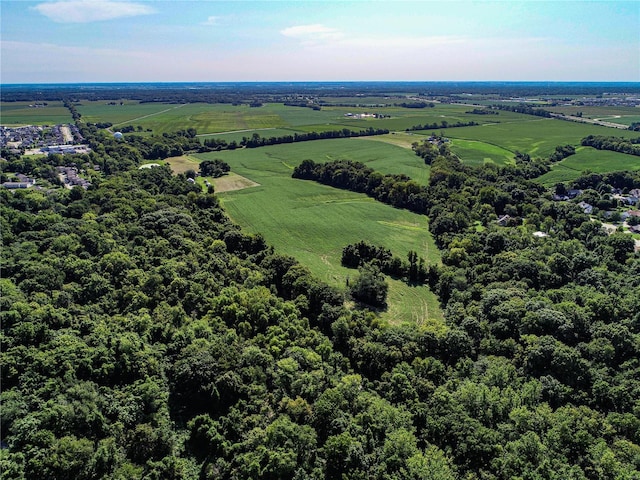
point(20, 113)
point(314, 222)
point(588, 158)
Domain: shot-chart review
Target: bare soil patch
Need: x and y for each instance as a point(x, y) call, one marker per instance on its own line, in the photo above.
point(232, 181)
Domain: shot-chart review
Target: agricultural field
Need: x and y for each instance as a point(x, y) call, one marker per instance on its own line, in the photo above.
point(129, 112)
point(537, 136)
point(20, 113)
point(477, 153)
point(587, 158)
point(313, 222)
point(621, 115)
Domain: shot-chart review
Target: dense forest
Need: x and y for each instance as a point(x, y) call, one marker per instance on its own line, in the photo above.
point(144, 335)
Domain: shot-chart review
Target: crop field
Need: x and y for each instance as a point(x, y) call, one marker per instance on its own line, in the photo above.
point(537, 137)
point(313, 222)
point(615, 114)
point(20, 113)
point(476, 153)
point(587, 158)
point(128, 112)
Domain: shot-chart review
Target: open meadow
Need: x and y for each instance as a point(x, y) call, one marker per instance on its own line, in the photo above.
point(314, 222)
point(21, 113)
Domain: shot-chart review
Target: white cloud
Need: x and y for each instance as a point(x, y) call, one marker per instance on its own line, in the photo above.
point(319, 35)
point(315, 32)
point(211, 21)
point(85, 11)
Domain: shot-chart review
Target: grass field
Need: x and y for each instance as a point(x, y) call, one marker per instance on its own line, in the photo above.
point(19, 113)
point(313, 222)
point(477, 153)
point(587, 158)
point(536, 136)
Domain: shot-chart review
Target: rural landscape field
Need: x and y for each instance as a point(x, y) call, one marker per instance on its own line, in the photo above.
point(250, 288)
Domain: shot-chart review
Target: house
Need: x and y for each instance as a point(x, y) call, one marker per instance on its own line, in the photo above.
point(573, 193)
point(586, 208)
point(634, 229)
point(503, 220)
point(540, 234)
point(16, 185)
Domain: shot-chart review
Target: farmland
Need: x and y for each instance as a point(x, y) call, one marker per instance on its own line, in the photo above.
point(20, 113)
point(587, 158)
point(318, 220)
point(314, 222)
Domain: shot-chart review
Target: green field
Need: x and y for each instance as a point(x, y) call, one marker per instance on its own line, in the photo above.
point(20, 113)
point(587, 158)
point(537, 136)
point(313, 222)
point(221, 118)
point(615, 114)
point(476, 153)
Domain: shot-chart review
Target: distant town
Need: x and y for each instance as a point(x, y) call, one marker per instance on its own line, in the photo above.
point(45, 140)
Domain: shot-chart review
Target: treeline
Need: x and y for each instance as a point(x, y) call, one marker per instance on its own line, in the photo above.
point(415, 104)
point(257, 141)
point(312, 106)
point(521, 108)
point(414, 270)
point(442, 124)
point(561, 152)
point(396, 190)
point(630, 146)
point(483, 111)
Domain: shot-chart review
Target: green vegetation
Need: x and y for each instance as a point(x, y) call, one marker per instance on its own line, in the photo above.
point(146, 335)
point(477, 153)
point(537, 137)
point(314, 223)
point(588, 159)
point(21, 113)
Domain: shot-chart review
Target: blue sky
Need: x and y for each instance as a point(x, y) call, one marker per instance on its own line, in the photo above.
point(138, 41)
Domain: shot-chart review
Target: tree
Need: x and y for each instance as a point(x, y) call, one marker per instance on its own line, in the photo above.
point(214, 168)
point(370, 287)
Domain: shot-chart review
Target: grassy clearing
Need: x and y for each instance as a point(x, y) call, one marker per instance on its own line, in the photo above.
point(314, 222)
point(20, 113)
point(587, 158)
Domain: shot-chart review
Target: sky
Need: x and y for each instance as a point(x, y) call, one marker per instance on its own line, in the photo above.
point(75, 41)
